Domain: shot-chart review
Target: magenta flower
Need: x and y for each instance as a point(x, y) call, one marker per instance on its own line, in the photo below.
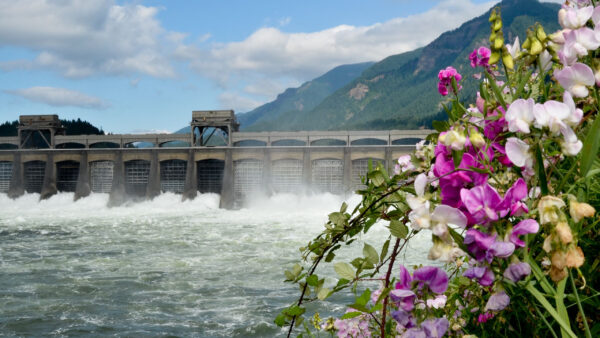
point(514, 196)
point(483, 203)
point(493, 127)
point(517, 271)
point(528, 226)
point(480, 57)
point(483, 275)
point(445, 76)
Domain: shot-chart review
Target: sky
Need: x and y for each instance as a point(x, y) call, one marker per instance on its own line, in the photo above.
point(144, 65)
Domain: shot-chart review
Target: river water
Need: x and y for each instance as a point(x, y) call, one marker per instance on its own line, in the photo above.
point(158, 268)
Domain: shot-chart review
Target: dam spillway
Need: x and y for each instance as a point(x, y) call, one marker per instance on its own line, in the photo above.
point(244, 164)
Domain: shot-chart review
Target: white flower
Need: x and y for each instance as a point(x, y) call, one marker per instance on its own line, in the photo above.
point(576, 78)
point(574, 18)
point(445, 215)
point(438, 302)
point(518, 152)
point(454, 139)
point(519, 115)
point(545, 61)
point(551, 114)
point(575, 114)
point(571, 145)
point(444, 252)
point(515, 49)
point(549, 209)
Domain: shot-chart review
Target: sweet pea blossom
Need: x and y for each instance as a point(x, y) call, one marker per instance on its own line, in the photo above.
point(571, 145)
point(514, 49)
point(576, 78)
point(482, 203)
point(577, 43)
point(443, 216)
point(551, 114)
point(352, 327)
point(573, 18)
point(480, 57)
point(497, 302)
point(549, 209)
point(520, 115)
point(528, 226)
point(518, 152)
point(445, 76)
point(575, 114)
point(517, 271)
point(483, 275)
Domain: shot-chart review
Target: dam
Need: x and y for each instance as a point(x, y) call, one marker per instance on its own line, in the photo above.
point(214, 157)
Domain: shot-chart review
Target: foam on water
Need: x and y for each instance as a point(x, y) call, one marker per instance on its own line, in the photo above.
point(159, 267)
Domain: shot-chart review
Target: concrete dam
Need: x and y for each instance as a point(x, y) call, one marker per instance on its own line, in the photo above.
point(213, 158)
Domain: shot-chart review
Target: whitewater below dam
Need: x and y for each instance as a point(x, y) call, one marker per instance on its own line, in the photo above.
point(161, 267)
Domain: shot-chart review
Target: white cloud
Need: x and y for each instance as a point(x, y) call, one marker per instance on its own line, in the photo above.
point(274, 54)
point(59, 97)
point(81, 38)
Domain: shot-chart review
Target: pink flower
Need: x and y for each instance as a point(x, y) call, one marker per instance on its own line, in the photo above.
point(517, 271)
point(480, 57)
point(528, 226)
point(482, 202)
point(483, 275)
point(445, 76)
point(497, 302)
point(573, 18)
point(575, 79)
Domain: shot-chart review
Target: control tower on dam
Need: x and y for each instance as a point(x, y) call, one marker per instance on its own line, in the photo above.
point(213, 158)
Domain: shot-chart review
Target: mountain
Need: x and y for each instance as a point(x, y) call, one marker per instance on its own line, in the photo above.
point(302, 99)
point(400, 92)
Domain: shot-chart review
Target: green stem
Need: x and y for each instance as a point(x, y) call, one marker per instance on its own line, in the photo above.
point(545, 321)
point(588, 334)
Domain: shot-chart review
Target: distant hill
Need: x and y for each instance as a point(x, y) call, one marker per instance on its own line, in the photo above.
point(400, 92)
point(72, 127)
point(302, 99)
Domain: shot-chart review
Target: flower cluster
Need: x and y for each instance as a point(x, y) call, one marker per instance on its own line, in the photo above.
point(446, 77)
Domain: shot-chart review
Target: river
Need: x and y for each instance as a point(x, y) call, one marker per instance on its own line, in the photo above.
point(158, 268)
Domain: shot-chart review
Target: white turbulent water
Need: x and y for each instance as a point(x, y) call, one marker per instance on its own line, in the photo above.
point(160, 267)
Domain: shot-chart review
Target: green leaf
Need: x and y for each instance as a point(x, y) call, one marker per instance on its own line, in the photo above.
point(377, 307)
point(344, 270)
point(349, 315)
point(289, 275)
point(294, 310)
point(458, 239)
point(337, 218)
point(323, 293)
point(280, 320)
point(560, 304)
point(591, 147)
point(312, 280)
point(539, 165)
point(440, 125)
point(330, 256)
point(496, 90)
point(384, 250)
point(540, 298)
point(370, 254)
point(364, 298)
point(398, 229)
point(376, 177)
point(457, 157)
point(297, 269)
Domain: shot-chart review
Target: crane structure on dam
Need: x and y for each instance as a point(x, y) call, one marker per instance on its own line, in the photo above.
point(214, 157)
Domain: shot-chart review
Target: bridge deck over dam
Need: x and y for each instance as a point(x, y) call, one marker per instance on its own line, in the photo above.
point(247, 164)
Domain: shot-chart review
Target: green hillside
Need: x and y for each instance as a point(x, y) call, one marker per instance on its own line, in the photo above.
point(302, 99)
point(400, 92)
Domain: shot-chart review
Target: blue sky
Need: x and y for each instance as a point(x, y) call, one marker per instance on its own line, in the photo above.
point(144, 65)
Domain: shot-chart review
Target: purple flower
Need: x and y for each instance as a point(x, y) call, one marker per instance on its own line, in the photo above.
point(479, 243)
point(514, 195)
point(404, 298)
point(484, 275)
point(497, 302)
point(482, 203)
point(405, 280)
point(414, 333)
point(500, 249)
point(435, 278)
point(528, 226)
point(404, 318)
point(435, 328)
point(517, 271)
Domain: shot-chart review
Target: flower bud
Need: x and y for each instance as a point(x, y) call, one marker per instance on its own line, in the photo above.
point(547, 246)
point(558, 274)
point(494, 58)
point(580, 210)
point(507, 59)
point(574, 257)
point(497, 25)
point(540, 34)
point(564, 232)
point(536, 47)
point(498, 42)
point(558, 259)
point(526, 43)
point(454, 139)
point(476, 139)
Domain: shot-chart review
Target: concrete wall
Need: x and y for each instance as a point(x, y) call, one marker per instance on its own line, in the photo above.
point(308, 156)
